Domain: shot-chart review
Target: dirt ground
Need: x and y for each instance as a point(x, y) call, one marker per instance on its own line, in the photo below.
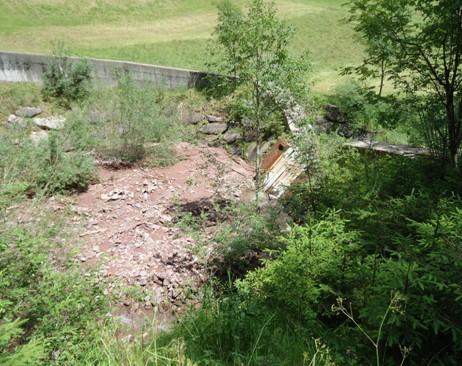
point(129, 230)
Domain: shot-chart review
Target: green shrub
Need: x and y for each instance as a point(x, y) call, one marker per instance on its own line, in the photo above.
point(324, 261)
point(132, 120)
point(43, 168)
point(67, 81)
point(309, 274)
point(392, 117)
point(51, 315)
point(244, 236)
point(232, 329)
point(29, 353)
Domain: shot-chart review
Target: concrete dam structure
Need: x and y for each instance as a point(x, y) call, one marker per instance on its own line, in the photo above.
point(29, 67)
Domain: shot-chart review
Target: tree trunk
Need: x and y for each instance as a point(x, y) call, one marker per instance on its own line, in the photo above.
point(382, 75)
point(258, 142)
point(453, 138)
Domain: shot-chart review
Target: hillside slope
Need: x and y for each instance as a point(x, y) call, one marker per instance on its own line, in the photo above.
point(173, 32)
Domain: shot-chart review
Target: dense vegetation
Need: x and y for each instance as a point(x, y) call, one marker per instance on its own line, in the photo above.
point(359, 264)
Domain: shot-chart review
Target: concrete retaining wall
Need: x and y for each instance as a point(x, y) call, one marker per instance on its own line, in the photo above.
point(28, 67)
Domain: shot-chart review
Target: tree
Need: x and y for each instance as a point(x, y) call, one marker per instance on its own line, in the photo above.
point(254, 52)
point(423, 42)
point(375, 64)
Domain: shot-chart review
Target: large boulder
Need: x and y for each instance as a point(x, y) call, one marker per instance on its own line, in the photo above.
point(50, 123)
point(192, 118)
point(214, 128)
point(28, 112)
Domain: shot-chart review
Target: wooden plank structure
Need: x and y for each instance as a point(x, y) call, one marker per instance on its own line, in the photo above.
point(281, 169)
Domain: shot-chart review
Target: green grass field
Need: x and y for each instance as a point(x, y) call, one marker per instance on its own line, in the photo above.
point(169, 32)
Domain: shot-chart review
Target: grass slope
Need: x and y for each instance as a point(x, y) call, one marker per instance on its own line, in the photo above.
point(169, 32)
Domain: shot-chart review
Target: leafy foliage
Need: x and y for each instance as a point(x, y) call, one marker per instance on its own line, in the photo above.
point(254, 50)
point(126, 121)
point(232, 329)
point(44, 168)
point(67, 81)
point(421, 43)
point(307, 274)
point(46, 315)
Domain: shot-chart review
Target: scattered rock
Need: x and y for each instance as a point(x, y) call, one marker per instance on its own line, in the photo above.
point(236, 150)
point(28, 112)
point(140, 244)
point(212, 140)
point(50, 123)
point(214, 119)
point(231, 136)
point(123, 319)
point(117, 194)
point(14, 120)
point(214, 128)
point(334, 114)
point(38, 136)
point(344, 130)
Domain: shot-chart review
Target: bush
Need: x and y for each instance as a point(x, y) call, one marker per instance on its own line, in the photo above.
point(233, 329)
point(67, 81)
point(44, 168)
point(404, 216)
point(324, 261)
point(392, 117)
point(29, 353)
point(131, 119)
point(48, 316)
point(308, 275)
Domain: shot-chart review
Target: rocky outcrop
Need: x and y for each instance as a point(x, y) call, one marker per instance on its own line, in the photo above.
point(231, 136)
point(214, 119)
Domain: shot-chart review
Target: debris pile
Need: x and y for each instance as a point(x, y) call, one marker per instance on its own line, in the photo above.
point(130, 217)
